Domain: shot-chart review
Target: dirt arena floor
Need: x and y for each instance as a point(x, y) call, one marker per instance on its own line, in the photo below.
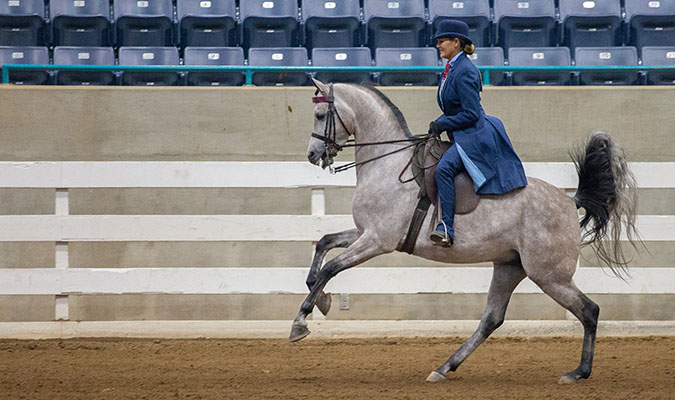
point(502, 368)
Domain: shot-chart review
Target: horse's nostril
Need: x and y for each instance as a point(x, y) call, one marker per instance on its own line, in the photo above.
point(311, 156)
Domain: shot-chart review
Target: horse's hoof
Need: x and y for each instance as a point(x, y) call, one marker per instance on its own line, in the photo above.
point(298, 332)
point(568, 379)
point(435, 377)
point(323, 304)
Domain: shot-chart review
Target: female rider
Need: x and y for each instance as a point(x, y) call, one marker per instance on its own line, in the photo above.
point(481, 146)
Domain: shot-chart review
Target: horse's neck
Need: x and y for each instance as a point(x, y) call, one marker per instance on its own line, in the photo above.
point(375, 122)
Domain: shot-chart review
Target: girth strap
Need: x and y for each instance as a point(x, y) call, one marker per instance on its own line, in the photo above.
point(416, 224)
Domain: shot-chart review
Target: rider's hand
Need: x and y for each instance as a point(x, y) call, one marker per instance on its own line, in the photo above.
point(434, 129)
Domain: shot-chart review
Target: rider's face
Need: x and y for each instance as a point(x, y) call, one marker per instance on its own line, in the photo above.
point(448, 47)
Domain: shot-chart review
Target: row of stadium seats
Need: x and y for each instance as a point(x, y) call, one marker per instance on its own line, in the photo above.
point(334, 23)
point(329, 57)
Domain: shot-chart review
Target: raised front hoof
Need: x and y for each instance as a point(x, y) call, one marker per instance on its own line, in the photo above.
point(571, 378)
point(435, 377)
point(323, 304)
point(298, 332)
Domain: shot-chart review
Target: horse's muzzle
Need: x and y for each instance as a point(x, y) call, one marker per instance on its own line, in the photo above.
point(315, 156)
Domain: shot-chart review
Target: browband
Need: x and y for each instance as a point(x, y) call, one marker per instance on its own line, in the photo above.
point(321, 99)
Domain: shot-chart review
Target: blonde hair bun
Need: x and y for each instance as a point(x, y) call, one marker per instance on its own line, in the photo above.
point(469, 48)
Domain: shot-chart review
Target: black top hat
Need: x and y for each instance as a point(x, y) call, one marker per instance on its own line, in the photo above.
point(452, 28)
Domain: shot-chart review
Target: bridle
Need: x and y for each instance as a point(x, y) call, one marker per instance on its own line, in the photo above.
point(332, 147)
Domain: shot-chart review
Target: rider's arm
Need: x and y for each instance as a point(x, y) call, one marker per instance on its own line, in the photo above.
point(468, 89)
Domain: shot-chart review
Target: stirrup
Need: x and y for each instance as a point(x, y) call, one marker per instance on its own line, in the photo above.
point(445, 241)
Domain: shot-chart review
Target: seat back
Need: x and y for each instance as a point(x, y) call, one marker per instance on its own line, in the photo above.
point(606, 56)
point(490, 56)
point(407, 57)
point(280, 56)
point(208, 23)
point(476, 14)
point(149, 56)
point(591, 23)
point(342, 57)
point(144, 22)
point(269, 23)
point(80, 23)
point(25, 55)
point(394, 23)
point(214, 56)
point(540, 56)
point(330, 23)
point(525, 23)
point(659, 55)
point(652, 23)
point(65, 55)
point(22, 23)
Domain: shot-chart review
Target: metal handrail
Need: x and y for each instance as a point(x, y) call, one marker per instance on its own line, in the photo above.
point(248, 70)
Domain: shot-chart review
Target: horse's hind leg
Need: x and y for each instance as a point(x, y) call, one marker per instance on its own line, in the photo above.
point(505, 278)
point(363, 249)
point(323, 246)
point(570, 297)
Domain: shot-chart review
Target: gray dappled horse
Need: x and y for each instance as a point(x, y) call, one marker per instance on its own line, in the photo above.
point(530, 232)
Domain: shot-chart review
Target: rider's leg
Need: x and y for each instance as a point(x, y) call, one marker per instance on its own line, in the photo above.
point(448, 167)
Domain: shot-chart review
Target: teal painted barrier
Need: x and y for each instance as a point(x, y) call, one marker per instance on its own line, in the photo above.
point(248, 70)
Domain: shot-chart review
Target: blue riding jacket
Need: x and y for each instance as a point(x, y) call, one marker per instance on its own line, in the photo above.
point(482, 143)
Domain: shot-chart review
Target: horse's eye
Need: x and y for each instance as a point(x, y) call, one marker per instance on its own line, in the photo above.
point(320, 116)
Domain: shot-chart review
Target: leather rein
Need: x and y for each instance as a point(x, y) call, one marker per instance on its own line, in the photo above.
point(333, 147)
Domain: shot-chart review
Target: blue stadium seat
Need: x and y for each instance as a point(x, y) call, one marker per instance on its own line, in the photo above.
point(281, 56)
point(22, 23)
point(149, 56)
point(331, 23)
point(65, 55)
point(652, 23)
point(394, 23)
point(80, 23)
point(591, 23)
point(476, 14)
point(269, 23)
point(214, 56)
point(144, 22)
point(208, 23)
point(664, 55)
point(407, 57)
point(525, 23)
point(540, 56)
point(25, 55)
point(490, 56)
point(606, 56)
point(342, 57)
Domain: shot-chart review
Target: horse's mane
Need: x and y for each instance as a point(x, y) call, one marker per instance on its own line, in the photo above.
point(397, 113)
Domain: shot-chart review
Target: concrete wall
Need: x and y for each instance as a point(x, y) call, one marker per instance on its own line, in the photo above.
point(62, 123)
point(246, 124)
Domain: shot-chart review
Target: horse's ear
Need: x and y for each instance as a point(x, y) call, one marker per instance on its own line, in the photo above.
point(322, 87)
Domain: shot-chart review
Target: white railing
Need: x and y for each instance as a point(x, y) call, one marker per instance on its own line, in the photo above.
point(63, 228)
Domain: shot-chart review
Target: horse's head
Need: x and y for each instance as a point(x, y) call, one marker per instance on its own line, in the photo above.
point(332, 117)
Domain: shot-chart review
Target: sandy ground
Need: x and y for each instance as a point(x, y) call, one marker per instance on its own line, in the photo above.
point(625, 368)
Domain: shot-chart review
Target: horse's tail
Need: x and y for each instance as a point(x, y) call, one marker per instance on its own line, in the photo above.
point(608, 192)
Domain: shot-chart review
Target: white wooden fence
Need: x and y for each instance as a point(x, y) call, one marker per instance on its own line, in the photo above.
point(63, 228)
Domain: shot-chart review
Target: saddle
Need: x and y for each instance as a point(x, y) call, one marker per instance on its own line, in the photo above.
point(427, 157)
point(424, 161)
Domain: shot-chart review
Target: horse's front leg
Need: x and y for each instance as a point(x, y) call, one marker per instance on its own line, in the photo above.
point(363, 249)
point(323, 246)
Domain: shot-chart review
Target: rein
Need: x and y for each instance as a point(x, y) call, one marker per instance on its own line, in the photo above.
point(333, 147)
